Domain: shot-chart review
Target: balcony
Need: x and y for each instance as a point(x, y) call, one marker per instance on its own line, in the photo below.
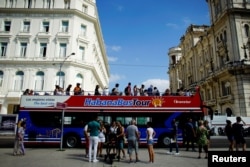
point(44, 34)
point(23, 34)
point(226, 99)
point(5, 34)
point(211, 102)
point(14, 94)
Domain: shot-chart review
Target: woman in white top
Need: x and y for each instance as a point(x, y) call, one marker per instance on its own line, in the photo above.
point(101, 139)
point(150, 141)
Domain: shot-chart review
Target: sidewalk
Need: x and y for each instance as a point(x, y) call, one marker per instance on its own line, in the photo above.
point(51, 157)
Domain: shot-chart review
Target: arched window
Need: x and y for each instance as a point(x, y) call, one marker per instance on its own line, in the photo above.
point(39, 80)
point(60, 77)
point(79, 79)
point(18, 81)
point(1, 78)
point(229, 112)
point(246, 27)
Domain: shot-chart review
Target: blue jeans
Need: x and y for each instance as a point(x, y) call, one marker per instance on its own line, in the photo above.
point(174, 145)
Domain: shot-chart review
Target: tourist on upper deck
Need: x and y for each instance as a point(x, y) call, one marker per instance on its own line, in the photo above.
point(97, 90)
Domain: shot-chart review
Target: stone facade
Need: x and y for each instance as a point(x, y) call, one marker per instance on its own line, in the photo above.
point(48, 43)
point(217, 58)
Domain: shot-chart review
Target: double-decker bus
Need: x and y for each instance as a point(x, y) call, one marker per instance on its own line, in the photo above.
point(45, 123)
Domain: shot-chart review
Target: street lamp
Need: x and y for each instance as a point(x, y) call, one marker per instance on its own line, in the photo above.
point(61, 64)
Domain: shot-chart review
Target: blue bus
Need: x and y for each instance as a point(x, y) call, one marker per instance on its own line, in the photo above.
point(57, 119)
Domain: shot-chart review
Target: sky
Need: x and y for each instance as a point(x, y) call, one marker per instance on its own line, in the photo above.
point(139, 33)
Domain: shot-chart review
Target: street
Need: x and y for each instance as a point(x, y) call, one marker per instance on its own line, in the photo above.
point(216, 142)
point(55, 157)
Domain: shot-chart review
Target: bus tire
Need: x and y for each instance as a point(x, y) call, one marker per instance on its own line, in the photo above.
point(71, 141)
point(164, 141)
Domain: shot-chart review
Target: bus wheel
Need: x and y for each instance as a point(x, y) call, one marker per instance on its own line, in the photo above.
point(165, 141)
point(71, 141)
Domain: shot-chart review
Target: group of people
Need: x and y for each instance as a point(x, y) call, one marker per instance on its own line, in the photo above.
point(235, 134)
point(76, 91)
point(28, 92)
point(128, 91)
point(135, 91)
point(201, 135)
point(191, 135)
point(150, 91)
point(96, 135)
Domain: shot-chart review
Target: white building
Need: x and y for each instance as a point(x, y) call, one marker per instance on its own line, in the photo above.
point(46, 43)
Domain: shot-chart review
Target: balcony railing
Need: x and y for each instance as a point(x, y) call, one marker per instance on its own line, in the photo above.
point(226, 99)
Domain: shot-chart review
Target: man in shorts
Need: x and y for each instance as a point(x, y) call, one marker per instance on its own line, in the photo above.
point(238, 133)
point(133, 138)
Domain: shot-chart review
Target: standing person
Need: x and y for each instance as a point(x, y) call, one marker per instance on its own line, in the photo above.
point(127, 90)
point(21, 132)
point(135, 91)
point(17, 141)
point(150, 90)
point(68, 89)
point(93, 128)
point(26, 92)
point(133, 137)
point(238, 132)
point(206, 124)
point(229, 133)
point(120, 140)
point(97, 90)
point(113, 130)
point(167, 93)
point(156, 92)
point(31, 92)
point(56, 90)
point(174, 138)
point(190, 134)
point(102, 139)
point(105, 91)
point(141, 90)
point(116, 90)
point(202, 138)
point(77, 89)
point(86, 134)
point(150, 142)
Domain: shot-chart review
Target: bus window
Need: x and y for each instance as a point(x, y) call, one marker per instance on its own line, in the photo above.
point(67, 120)
point(142, 121)
point(105, 119)
point(127, 121)
point(120, 119)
